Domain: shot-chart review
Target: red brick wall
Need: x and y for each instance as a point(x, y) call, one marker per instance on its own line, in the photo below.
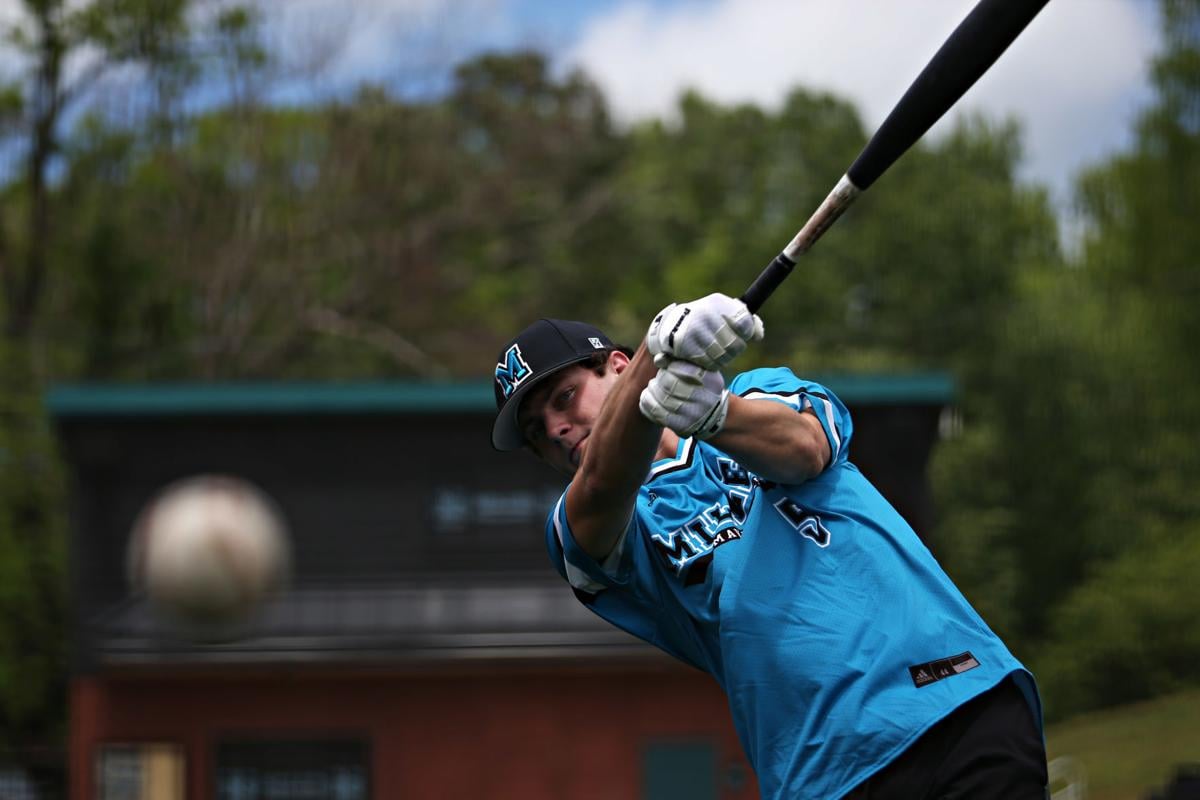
point(569, 734)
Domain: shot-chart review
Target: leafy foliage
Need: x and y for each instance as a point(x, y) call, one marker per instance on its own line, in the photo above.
point(1128, 633)
point(1098, 400)
point(36, 269)
point(32, 567)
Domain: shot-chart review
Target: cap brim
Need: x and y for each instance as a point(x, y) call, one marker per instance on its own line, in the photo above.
point(506, 433)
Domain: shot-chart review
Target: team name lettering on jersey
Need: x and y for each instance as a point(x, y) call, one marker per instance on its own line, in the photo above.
point(719, 523)
point(697, 539)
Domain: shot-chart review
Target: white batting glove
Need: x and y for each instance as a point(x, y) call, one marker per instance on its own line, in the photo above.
point(710, 331)
point(688, 399)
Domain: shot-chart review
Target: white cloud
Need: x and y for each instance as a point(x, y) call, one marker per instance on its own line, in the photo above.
point(1074, 79)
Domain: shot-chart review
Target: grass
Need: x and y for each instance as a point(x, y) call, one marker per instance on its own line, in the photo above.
point(1130, 751)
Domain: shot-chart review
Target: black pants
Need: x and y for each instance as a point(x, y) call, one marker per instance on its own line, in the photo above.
point(987, 749)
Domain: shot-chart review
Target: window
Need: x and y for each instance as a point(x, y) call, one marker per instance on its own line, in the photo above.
point(16, 785)
point(293, 770)
point(139, 772)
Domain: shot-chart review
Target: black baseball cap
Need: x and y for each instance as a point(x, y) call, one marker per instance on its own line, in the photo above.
point(533, 355)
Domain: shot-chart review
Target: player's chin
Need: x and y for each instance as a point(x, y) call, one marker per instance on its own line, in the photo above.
point(575, 457)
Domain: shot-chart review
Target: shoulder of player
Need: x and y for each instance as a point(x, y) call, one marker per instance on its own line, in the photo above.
point(766, 379)
point(684, 458)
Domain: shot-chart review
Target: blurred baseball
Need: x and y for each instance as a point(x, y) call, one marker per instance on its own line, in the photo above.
point(208, 551)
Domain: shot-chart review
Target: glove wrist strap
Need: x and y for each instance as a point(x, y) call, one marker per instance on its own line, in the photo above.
point(712, 424)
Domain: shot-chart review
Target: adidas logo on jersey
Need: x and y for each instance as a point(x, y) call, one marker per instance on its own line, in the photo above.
point(934, 671)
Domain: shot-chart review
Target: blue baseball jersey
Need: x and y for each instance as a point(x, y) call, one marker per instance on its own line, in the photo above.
point(833, 631)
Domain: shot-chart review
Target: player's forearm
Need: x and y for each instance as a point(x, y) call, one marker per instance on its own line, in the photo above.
point(620, 449)
point(773, 441)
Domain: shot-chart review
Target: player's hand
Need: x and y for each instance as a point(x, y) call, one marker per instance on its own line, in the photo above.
point(688, 399)
point(709, 332)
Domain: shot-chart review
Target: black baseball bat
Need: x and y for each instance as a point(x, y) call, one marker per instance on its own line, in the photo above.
point(973, 47)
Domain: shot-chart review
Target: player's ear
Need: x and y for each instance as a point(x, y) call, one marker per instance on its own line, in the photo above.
point(618, 361)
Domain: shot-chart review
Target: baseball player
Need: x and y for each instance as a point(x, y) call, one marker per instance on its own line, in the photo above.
point(724, 524)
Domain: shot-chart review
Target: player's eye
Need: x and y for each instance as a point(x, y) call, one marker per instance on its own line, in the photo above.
point(564, 397)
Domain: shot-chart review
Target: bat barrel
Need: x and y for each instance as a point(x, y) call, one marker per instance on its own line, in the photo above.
point(973, 47)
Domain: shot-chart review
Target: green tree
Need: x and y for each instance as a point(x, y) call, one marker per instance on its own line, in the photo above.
point(1140, 268)
point(1128, 633)
point(908, 278)
point(38, 103)
point(541, 217)
point(1080, 461)
point(368, 237)
point(49, 33)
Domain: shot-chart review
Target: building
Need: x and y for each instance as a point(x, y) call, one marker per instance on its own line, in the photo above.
point(425, 649)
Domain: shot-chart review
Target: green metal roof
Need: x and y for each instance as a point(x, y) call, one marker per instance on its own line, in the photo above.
point(208, 399)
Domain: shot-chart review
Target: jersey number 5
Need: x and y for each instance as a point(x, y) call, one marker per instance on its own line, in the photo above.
point(809, 525)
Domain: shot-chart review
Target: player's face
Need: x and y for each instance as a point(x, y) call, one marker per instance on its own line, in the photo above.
point(557, 416)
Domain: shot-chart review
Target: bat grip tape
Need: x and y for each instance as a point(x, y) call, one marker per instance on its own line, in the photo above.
point(767, 282)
